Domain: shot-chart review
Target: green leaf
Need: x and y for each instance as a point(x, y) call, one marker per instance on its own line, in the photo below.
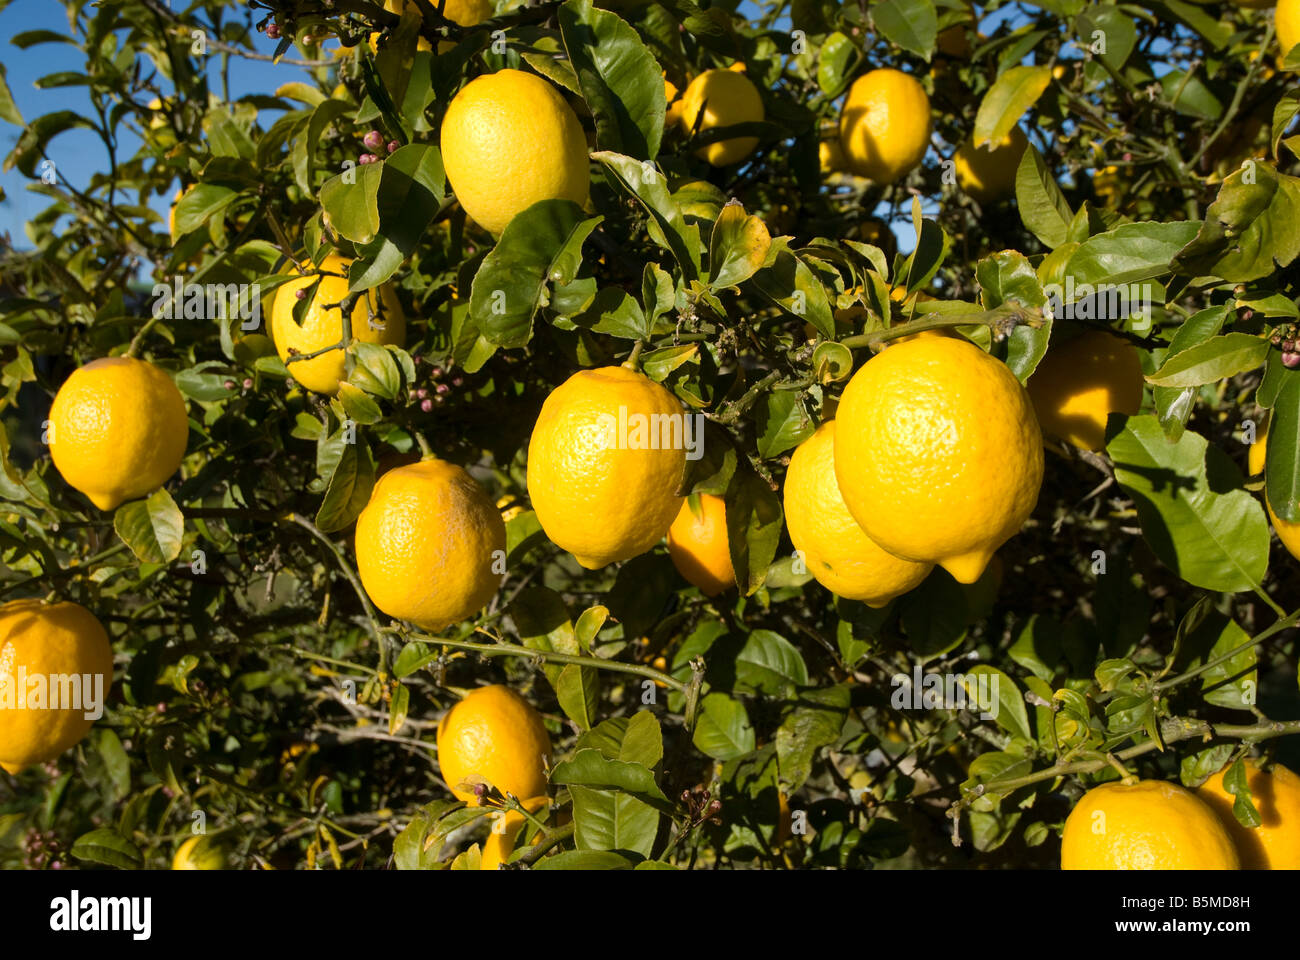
point(153, 528)
point(737, 248)
point(607, 820)
point(1236, 783)
point(397, 710)
point(619, 77)
point(641, 592)
point(108, 847)
point(410, 193)
point(589, 768)
point(540, 246)
point(1009, 709)
point(353, 207)
point(1282, 453)
point(585, 860)
point(116, 762)
point(1111, 26)
point(1195, 515)
point(577, 689)
point(8, 109)
point(815, 722)
point(349, 488)
point(754, 521)
point(1004, 277)
point(635, 739)
point(542, 623)
point(1174, 405)
point(1043, 208)
point(791, 285)
point(1014, 92)
point(934, 616)
point(912, 24)
point(768, 662)
point(783, 422)
point(668, 227)
point(1211, 360)
point(1131, 252)
point(30, 149)
point(723, 731)
point(835, 62)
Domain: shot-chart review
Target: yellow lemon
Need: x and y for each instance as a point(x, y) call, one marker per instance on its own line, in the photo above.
point(1287, 20)
point(508, 141)
point(605, 462)
point(430, 544)
point(835, 549)
point(725, 98)
point(199, 853)
point(118, 430)
point(1287, 531)
point(1150, 825)
point(506, 826)
point(1107, 185)
point(830, 156)
point(493, 736)
point(673, 109)
point(61, 652)
point(1082, 381)
point(937, 453)
point(698, 545)
point(1275, 843)
point(885, 125)
point(376, 318)
point(467, 13)
point(989, 175)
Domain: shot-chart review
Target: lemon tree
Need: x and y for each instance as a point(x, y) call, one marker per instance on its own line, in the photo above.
point(608, 435)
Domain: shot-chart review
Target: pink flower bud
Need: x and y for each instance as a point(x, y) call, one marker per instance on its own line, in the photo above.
point(373, 140)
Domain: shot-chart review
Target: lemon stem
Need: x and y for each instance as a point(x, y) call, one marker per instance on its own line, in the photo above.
point(138, 340)
point(633, 360)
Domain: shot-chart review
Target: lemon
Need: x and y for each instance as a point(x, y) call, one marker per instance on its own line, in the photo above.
point(1287, 531)
point(725, 97)
point(118, 430)
point(1275, 843)
point(60, 651)
point(430, 545)
point(990, 174)
point(199, 853)
point(605, 462)
point(835, 550)
point(493, 736)
point(467, 13)
point(673, 106)
point(376, 318)
point(1082, 381)
point(506, 826)
point(830, 156)
point(1150, 825)
point(510, 141)
point(698, 544)
point(885, 125)
point(1287, 20)
point(937, 453)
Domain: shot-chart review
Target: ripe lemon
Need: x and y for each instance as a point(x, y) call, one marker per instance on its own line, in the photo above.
point(118, 430)
point(57, 650)
point(467, 13)
point(506, 826)
point(835, 550)
point(508, 141)
point(494, 735)
point(989, 175)
point(1287, 531)
point(830, 156)
point(885, 125)
point(199, 853)
point(1079, 383)
point(1151, 825)
point(376, 318)
point(937, 453)
point(698, 545)
point(1287, 20)
point(726, 97)
point(605, 462)
point(430, 545)
point(1275, 843)
point(673, 106)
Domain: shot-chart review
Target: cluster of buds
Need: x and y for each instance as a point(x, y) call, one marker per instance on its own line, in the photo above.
point(700, 806)
point(429, 397)
point(1287, 339)
point(374, 141)
point(41, 850)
